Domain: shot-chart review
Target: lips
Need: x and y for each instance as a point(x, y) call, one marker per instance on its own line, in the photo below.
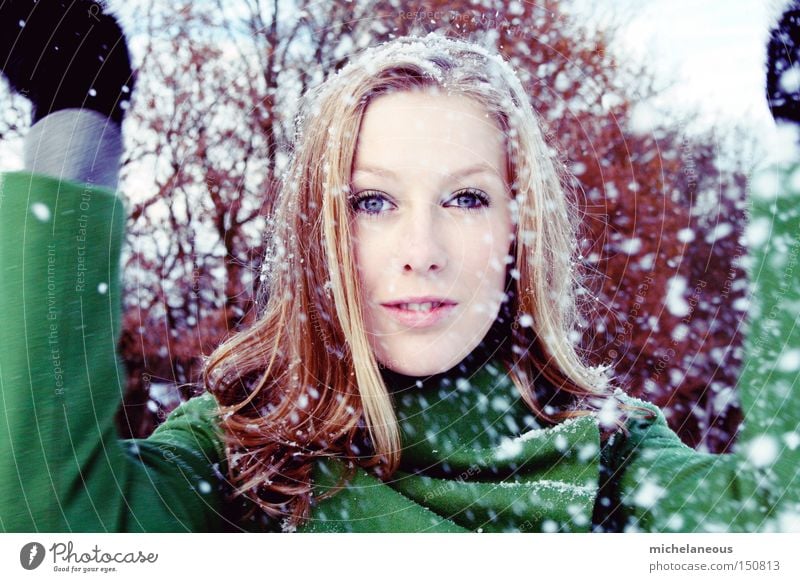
point(419, 311)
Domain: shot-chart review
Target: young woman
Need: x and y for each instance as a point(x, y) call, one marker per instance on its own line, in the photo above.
point(411, 367)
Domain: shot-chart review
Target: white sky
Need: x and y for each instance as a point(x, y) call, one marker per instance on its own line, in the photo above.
point(715, 48)
point(714, 51)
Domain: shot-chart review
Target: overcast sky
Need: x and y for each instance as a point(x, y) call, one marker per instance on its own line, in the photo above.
point(713, 50)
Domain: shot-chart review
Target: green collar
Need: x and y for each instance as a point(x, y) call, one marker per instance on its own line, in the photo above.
point(474, 453)
point(474, 458)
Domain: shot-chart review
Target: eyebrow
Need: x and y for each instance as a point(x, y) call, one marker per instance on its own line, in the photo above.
point(469, 171)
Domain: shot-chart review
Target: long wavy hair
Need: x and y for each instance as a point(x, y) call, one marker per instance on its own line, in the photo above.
point(302, 381)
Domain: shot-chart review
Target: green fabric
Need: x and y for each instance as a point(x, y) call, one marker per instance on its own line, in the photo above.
point(63, 467)
point(473, 457)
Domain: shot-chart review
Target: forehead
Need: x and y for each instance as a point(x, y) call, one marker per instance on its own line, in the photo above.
point(423, 128)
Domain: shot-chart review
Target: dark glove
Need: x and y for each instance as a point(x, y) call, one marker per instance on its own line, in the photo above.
point(64, 54)
point(783, 75)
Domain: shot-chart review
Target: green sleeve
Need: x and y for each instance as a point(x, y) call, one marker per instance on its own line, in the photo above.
point(667, 486)
point(62, 465)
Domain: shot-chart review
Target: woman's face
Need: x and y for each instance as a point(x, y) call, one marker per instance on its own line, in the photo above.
point(432, 227)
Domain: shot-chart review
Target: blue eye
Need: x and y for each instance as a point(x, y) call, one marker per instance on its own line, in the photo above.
point(371, 202)
point(374, 202)
point(470, 199)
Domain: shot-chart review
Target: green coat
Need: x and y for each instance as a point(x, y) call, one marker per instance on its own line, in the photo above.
point(474, 458)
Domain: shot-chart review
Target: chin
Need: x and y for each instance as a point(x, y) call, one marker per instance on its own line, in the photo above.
point(414, 365)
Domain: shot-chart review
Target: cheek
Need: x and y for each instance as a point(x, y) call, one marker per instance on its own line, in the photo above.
point(369, 254)
point(486, 254)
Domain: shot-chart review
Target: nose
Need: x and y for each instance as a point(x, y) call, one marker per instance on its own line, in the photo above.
point(422, 249)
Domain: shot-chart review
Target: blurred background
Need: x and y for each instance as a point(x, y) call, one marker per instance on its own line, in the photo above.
point(655, 107)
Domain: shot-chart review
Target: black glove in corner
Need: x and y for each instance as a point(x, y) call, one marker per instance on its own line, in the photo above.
point(64, 54)
point(783, 51)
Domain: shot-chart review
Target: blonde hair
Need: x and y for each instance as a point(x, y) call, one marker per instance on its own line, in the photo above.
point(302, 381)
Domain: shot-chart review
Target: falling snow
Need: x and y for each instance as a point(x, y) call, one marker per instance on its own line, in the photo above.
point(686, 235)
point(508, 449)
point(631, 246)
point(790, 79)
point(676, 302)
point(648, 494)
point(40, 211)
point(720, 231)
point(762, 450)
point(789, 361)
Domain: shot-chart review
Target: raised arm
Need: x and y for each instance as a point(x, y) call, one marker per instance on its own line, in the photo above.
point(62, 467)
point(663, 485)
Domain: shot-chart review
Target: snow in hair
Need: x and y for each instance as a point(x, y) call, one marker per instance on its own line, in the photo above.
point(419, 49)
point(427, 53)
